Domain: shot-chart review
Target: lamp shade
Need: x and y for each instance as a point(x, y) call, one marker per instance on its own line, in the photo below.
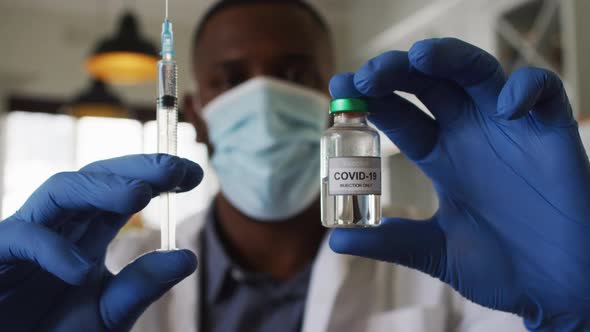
point(125, 58)
point(97, 100)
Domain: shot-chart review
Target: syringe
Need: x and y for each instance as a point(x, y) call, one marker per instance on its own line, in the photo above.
point(167, 106)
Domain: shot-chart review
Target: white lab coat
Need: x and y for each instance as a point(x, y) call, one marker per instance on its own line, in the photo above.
point(345, 294)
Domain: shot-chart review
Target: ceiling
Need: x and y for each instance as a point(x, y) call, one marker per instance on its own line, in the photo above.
point(181, 11)
point(67, 30)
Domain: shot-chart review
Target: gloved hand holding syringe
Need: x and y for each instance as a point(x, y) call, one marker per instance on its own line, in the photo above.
point(167, 107)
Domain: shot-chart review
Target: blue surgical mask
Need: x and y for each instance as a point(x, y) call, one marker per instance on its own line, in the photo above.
point(266, 135)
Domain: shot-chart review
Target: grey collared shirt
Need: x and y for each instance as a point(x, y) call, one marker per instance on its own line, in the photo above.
point(238, 300)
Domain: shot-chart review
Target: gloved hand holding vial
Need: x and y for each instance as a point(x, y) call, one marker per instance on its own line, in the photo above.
point(510, 171)
point(351, 168)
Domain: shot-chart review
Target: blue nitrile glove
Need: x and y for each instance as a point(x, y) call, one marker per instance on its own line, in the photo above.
point(512, 231)
point(52, 272)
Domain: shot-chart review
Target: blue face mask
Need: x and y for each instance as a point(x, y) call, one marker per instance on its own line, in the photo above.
point(266, 134)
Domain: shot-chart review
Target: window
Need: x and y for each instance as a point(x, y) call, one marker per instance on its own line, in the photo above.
point(37, 145)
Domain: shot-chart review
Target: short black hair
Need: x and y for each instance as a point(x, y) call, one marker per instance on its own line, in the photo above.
point(222, 5)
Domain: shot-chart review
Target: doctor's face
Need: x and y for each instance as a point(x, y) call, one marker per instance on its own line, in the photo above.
point(265, 39)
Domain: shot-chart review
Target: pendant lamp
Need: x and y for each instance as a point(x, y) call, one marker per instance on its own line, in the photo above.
point(125, 58)
point(97, 100)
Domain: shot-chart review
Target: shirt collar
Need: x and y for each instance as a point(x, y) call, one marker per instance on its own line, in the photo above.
point(219, 268)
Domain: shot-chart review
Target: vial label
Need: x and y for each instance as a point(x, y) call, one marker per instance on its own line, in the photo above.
point(354, 176)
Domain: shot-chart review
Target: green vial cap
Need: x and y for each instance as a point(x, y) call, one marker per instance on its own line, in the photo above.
point(355, 105)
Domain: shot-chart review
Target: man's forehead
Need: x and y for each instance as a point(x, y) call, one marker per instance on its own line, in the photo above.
point(259, 26)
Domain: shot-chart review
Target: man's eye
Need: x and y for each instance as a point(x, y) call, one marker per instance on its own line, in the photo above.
point(296, 75)
point(230, 82)
point(302, 75)
point(226, 81)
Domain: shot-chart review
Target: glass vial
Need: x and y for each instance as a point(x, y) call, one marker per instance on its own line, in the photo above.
point(351, 168)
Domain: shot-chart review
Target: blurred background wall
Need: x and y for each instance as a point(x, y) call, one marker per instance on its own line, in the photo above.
point(45, 43)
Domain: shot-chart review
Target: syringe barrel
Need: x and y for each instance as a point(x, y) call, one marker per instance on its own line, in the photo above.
point(167, 107)
point(167, 89)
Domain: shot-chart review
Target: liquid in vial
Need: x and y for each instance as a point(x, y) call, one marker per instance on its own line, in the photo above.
point(351, 168)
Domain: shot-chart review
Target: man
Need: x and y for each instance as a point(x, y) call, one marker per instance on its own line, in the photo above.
point(513, 239)
point(264, 265)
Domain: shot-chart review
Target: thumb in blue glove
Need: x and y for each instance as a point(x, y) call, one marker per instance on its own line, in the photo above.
point(52, 273)
point(513, 181)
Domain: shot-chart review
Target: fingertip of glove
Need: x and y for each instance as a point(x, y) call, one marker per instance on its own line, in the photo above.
point(183, 257)
point(363, 83)
point(190, 259)
point(166, 267)
point(340, 242)
point(366, 79)
point(185, 262)
point(511, 104)
point(369, 83)
point(342, 86)
point(379, 76)
point(168, 161)
point(193, 175)
point(174, 170)
point(423, 53)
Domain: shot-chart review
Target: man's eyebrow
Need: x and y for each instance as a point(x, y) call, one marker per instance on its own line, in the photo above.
point(296, 57)
point(229, 64)
point(238, 62)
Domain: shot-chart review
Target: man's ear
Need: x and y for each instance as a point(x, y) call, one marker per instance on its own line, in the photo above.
point(192, 113)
